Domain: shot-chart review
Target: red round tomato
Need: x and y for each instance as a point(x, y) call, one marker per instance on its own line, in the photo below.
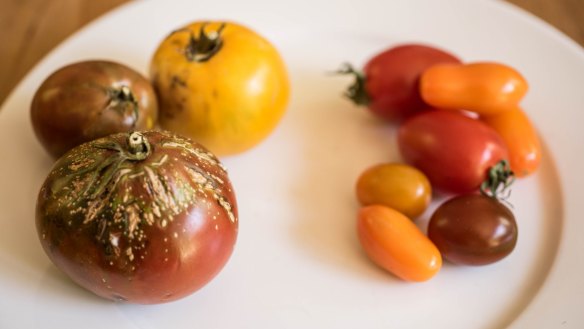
point(473, 230)
point(141, 217)
point(388, 85)
point(454, 151)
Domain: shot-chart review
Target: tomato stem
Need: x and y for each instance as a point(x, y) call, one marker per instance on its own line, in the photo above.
point(205, 46)
point(499, 178)
point(356, 92)
point(138, 146)
point(120, 97)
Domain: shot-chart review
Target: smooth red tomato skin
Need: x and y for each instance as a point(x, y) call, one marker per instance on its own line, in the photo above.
point(395, 243)
point(521, 139)
point(473, 230)
point(453, 150)
point(392, 79)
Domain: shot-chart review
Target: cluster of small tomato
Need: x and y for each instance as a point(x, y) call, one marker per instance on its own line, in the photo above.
point(461, 132)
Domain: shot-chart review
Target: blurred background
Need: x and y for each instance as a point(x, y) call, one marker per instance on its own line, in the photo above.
point(29, 29)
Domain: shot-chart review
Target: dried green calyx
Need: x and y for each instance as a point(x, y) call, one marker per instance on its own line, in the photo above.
point(499, 178)
point(202, 47)
point(356, 92)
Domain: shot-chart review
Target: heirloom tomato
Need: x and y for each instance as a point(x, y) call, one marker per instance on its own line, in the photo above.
point(484, 87)
point(388, 84)
point(396, 244)
point(88, 100)
point(521, 139)
point(473, 229)
point(143, 217)
point(453, 150)
point(398, 186)
point(221, 84)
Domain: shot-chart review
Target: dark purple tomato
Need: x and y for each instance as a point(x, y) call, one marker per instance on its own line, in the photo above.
point(473, 229)
point(88, 100)
point(141, 217)
point(389, 83)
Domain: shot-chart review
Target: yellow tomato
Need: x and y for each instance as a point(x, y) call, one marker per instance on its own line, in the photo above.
point(398, 186)
point(221, 84)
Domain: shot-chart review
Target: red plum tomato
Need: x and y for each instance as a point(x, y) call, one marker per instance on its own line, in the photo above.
point(389, 82)
point(453, 150)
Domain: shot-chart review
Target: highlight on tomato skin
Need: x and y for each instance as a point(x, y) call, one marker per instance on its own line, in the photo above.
point(521, 138)
point(486, 88)
point(396, 244)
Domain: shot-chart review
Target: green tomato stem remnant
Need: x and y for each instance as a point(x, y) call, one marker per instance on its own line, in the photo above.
point(500, 177)
point(120, 97)
point(205, 46)
point(356, 92)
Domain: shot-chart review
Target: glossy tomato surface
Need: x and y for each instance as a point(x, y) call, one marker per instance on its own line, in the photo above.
point(453, 150)
point(473, 230)
point(143, 217)
point(398, 186)
point(88, 100)
point(396, 244)
point(220, 83)
point(392, 79)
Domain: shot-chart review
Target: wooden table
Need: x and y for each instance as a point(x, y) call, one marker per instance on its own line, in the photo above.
point(29, 29)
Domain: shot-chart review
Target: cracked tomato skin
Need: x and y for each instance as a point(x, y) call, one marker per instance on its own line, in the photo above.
point(142, 224)
point(227, 92)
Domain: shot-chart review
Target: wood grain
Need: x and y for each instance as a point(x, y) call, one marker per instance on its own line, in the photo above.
point(29, 29)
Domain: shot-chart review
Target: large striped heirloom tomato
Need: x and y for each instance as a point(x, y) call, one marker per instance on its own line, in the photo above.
point(221, 84)
point(143, 217)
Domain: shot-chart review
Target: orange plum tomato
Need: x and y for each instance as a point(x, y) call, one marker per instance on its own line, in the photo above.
point(396, 244)
point(483, 87)
point(388, 83)
point(398, 186)
point(142, 217)
point(521, 139)
point(221, 84)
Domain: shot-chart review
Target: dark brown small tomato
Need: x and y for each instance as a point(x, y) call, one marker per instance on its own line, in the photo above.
point(473, 229)
point(142, 217)
point(91, 99)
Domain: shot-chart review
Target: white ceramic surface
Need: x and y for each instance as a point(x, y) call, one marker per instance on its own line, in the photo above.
point(297, 263)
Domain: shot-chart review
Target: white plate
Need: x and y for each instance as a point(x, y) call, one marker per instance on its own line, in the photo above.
point(297, 263)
